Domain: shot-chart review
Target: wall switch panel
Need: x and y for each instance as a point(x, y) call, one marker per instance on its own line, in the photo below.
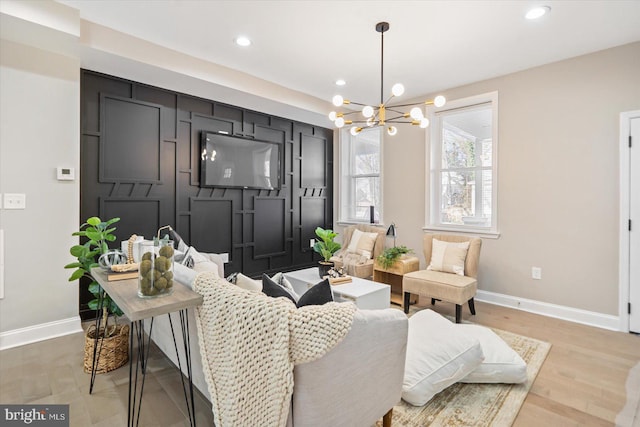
point(312, 242)
point(536, 273)
point(15, 201)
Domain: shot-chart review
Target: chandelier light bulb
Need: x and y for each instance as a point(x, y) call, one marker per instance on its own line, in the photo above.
point(338, 100)
point(354, 130)
point(537, 12)
point(367, 111)
point(339, 122)
point(439, 101)
point(392, 130)
point(424, 122)
point(397, 89)
point(332, 115)
point(371, 121)
point(416, 113)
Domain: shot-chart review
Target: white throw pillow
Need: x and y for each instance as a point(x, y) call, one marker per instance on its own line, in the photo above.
point(438, 355)
point(501, 363)
point(248, 283)
point(448, 257)
point(362, 243)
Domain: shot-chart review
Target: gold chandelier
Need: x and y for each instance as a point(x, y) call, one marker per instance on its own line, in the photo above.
point(385, 114)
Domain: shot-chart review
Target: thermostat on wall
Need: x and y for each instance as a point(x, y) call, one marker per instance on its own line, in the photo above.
point(66, 174)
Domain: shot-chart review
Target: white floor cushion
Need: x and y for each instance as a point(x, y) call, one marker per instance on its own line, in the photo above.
point(501, 363)
point(438, 355)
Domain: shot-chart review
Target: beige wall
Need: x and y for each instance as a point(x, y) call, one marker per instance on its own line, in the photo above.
point(557, 179)
point(39, 122)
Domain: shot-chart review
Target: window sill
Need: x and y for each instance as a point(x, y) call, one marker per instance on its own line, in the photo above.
point(481, 232)
point(353, 222)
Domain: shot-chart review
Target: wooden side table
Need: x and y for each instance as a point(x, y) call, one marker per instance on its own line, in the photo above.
point(125, 294)
point(393, 276)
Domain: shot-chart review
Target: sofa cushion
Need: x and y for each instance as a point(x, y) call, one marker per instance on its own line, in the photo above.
point(273, 289)
point(318, 294)
point(501, 363)
point(438, 355)
point(448, 257)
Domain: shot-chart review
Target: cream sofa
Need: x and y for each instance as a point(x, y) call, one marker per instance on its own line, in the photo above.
point(354, 384)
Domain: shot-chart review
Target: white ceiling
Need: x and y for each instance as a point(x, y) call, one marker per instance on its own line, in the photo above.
point(430, 46)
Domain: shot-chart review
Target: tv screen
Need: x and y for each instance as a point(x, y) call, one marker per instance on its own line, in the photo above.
point(230, 161)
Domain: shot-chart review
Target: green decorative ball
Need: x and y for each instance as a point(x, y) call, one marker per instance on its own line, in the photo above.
point(145, 266)
point(146, 256)
point(166, 251)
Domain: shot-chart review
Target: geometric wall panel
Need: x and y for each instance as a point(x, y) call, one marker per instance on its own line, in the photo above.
point(269, 226)
point(137, 216)
point(130, 143)
point(312, 215)
point(211, 225)
point(313, 152)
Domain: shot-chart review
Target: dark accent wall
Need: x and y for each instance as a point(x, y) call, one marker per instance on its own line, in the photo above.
point(140, 161)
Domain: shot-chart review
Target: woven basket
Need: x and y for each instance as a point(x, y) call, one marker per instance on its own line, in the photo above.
point(114, 350)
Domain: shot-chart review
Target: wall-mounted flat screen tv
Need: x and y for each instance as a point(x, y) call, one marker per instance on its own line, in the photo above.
point(235, 162)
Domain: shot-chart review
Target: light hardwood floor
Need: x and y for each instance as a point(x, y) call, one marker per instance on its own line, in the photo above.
point(582, 382)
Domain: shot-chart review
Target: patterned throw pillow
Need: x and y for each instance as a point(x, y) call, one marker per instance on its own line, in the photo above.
point(362, 243)
point(448, 257)
point(318, 294)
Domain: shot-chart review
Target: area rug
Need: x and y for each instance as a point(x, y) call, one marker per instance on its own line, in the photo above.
point(494, 405)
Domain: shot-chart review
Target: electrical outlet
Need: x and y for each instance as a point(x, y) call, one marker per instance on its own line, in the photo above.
point(536, 273)
point(312, 242)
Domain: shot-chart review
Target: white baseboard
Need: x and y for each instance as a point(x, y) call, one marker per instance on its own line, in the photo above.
point(41, 332)
point(591, 318)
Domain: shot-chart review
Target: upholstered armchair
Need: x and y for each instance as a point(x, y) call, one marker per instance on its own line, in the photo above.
point(361, 244)
point(451, 274)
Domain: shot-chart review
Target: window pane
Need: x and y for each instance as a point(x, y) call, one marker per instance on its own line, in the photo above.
point(366, 153)
point(466, 138)
point(466, 198)
point(367, 193)
point(458, 190)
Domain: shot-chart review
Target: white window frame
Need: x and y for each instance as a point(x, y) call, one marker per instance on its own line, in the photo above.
point(346, 180)
point(433, 159)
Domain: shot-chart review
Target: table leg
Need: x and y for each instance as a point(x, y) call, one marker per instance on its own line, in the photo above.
point(189, 399)
point(96, 339)
point(140, 353)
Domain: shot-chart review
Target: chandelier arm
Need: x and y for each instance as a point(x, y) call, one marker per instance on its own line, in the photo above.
point(395, 111)
point(357, 103)
point(412, 104)
point(401, 116)
point(397, 120)
point(382, 66)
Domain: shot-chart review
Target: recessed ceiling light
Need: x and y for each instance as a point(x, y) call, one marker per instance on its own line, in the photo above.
point(243, 41)
point(537, 12)
point(340, 82)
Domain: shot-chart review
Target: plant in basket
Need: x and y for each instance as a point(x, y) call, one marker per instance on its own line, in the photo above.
point(113, 343)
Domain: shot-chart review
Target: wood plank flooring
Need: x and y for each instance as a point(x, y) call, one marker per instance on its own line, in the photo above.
point(583, 381)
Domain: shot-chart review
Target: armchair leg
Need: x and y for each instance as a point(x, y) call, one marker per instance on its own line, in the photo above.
point(472, 307)
point(386, 420)
point(458, 313)
point(407, 299)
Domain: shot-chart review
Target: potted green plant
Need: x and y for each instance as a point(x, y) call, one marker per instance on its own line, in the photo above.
point(326, 247)
point(389, 256)
point(114, 348)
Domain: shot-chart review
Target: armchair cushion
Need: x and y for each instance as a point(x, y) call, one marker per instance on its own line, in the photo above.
point(362, 243)
point(448, 257)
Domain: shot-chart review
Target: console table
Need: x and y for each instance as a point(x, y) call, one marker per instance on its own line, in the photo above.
point(125, 294)
point(394, 274)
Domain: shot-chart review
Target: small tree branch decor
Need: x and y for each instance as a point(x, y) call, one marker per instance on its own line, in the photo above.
point(390, 255)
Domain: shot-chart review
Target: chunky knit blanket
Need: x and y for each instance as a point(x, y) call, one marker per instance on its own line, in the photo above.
point(249, 344)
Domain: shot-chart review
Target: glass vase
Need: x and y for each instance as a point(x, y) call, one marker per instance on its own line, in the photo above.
point(155, 272)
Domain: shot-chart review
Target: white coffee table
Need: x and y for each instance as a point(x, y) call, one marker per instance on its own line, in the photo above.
point(364, 293)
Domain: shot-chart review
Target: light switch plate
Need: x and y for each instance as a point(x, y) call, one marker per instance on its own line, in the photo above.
point(15, 201)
